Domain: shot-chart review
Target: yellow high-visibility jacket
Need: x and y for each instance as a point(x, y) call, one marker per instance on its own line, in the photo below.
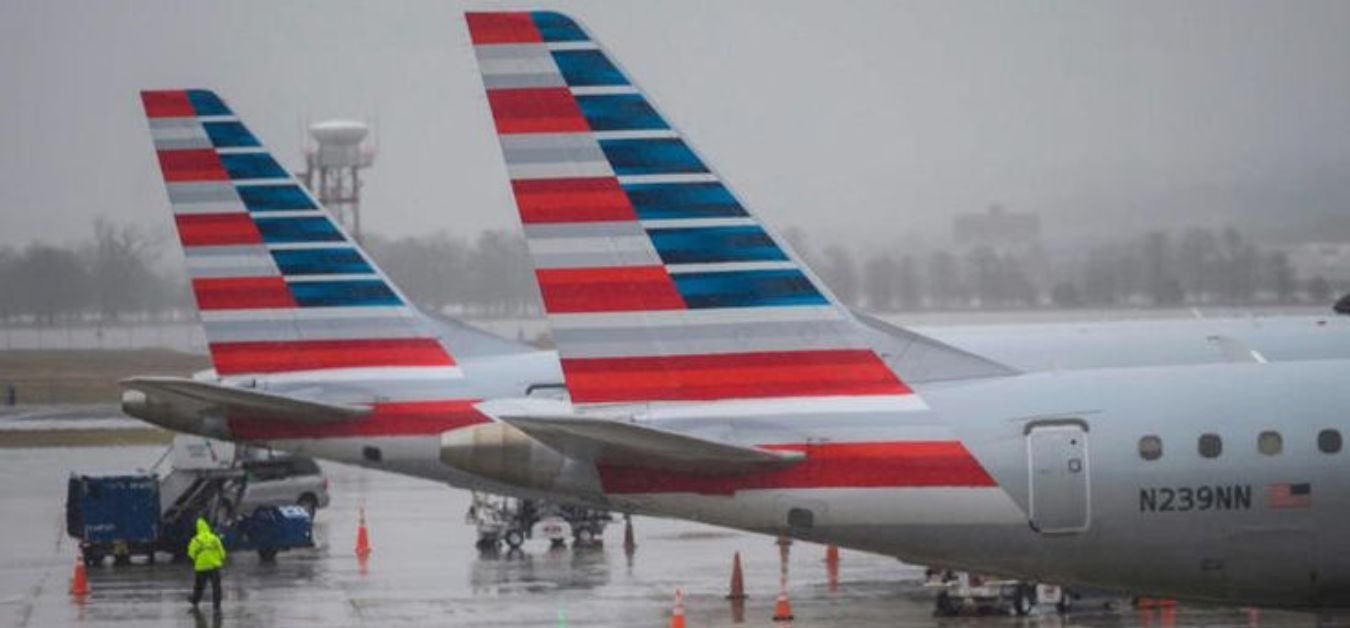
point(205, 549)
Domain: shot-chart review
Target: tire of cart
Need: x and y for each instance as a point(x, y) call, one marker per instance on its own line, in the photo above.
point(310, 503)
point(514, 538)
point(1065, 603)
point(947, 606)
point(1024, 599)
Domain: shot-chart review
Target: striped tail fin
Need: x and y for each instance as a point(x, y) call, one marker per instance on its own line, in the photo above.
point(658, 283)
point(283, 290)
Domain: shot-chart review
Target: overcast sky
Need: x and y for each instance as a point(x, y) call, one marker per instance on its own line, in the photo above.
point(849, 119)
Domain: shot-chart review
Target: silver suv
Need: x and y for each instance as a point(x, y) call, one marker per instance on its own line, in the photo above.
point(284, 480)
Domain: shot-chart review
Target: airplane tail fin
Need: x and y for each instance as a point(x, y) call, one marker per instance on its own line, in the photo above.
point(281, 287)
point(658, 283)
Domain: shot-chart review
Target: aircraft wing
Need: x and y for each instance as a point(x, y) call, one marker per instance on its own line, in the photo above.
point(244, 401)
point(621, 443)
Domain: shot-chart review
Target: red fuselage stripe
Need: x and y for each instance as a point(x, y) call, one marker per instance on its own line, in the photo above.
point(833, 465)
point(730, 376)
point(408, 418)
point(303, 355)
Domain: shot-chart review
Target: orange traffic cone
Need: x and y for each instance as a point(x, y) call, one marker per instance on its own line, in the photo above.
point(362, 537)
point(79, 582)
point(782, 609)
point(737, 580)
point(677, 614)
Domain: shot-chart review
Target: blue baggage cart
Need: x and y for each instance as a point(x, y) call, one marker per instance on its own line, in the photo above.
point(113, 515)
point(271, 529)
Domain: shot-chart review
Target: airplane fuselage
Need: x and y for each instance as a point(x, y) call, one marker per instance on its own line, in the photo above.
point(1066, 496)
point(1077, 503)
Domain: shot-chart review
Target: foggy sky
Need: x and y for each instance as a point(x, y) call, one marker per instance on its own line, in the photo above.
point(858, 119)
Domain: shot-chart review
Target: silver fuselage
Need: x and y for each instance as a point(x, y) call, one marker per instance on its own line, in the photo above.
point(1237, 548)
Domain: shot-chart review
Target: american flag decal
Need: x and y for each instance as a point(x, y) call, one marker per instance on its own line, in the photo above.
point(1289, 495)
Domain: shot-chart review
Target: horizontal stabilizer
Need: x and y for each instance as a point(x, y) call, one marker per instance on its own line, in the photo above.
point(244, 401)
point(620, 443)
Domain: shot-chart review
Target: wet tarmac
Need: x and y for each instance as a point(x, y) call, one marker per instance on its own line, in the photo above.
point(424, 570)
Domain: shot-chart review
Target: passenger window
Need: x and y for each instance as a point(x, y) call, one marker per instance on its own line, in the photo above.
point(1210, 445)
point(1329, 441)
point(1269, 443)
point(1150, 447)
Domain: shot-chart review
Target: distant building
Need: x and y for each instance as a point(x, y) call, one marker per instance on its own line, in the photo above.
point(998, 229)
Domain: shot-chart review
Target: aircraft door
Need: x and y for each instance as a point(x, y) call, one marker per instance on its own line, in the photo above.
point(1057, 461)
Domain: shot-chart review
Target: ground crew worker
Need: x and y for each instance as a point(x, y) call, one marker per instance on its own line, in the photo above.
point(208, 556)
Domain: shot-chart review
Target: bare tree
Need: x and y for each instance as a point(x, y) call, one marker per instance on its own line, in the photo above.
point(504, 278)
point(944, 281)
point(1198, 256)
point(50, 283)
point(908, 287)
point(432, 270)
point(1280, 276)
point(840, 273)
point(120, 268)
point(9, 305)
point(879, 282)
point(1164, 288)
point(1319, 290)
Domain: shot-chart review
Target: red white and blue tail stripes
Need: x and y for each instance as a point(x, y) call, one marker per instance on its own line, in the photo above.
point(658, 284)
point(672, 305)
point(282, 289)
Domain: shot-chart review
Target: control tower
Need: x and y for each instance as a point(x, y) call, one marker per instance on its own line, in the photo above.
point(333, 168)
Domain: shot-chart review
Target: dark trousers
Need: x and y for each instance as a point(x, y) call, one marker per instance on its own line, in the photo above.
point(200, 583)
